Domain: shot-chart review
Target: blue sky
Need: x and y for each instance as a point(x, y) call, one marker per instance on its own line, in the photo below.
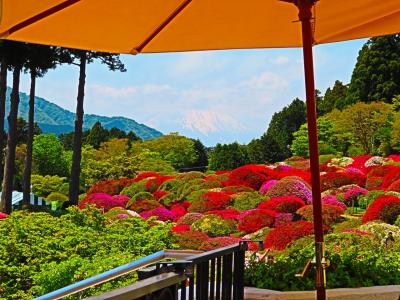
point(216, 96)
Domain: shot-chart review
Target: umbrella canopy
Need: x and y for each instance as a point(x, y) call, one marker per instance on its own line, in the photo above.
point(131, 26)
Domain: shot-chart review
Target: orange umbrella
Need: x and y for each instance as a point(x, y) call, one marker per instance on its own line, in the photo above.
point(145, 26)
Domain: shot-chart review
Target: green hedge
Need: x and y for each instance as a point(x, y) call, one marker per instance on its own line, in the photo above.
point(40, 253)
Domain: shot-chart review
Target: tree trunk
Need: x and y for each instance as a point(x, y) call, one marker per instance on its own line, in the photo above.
point(3, 91)
point(28, 159)
point(8, 178)
point(76, 157)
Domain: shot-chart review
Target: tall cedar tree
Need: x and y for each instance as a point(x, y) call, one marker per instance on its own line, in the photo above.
point(279, 135)
point(38, 61)
point(81, 58)
point(376, 76)
point(16, 60)
point(4, 53)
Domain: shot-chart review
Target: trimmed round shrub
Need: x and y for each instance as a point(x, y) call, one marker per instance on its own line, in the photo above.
point(161, 213)
point(391, 177)
point(298, 162)
point(214, 225)
point(56, 196)
point(373, 183)
point(290, 187)
point(330, 213)
point(190, 239)
point(190, 176)
point(282, 218)
point(266, 186)
point(3, 215)
point(100, 200)
point(143, 175)
point(255, 219)
point(284, 204)
point(374, 161)
point(246, 200)
point(236, 189)
point(337, 179)
point(250, 175)
point(394, 186)
point(178, 228)
point(279, 238)
point(134, 189)
point(170, 186)
point(210, 201)
point(168, 200)
point(111, 187)
point(225, 213)
point(381, 230)
point(218, 242)
point(190, 218)
point(385, 208)
point(159, 194)
point(340, 162)
point(180, 209)
point(143, 205)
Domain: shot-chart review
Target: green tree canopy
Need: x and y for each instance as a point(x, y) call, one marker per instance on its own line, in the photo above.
point(376, 76)
point(49, 157)
point(228, 156)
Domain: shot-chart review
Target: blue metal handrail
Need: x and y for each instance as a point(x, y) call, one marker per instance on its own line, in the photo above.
point(114, 273)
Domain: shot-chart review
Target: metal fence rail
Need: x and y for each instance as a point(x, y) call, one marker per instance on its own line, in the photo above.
point(214, 275)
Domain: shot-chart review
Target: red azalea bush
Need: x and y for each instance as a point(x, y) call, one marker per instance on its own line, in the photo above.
point(385, 208)
point(180, 228)
point(101, 200)
point(159, 194)
point(278, 238)
point(143, 205)
point(374, 183)
point(3, 215)
point(330, 213)
point(179, 209)
point(284, 204)
point(144, 175)
point(359, 162)
point(250, 175)
point(395, 186)
point(255, 219)
point(282, 218)
point(338, 179)
point(111, 187)
point(210, 201)
point(190, 239)
point(228, 213)
point(391, 177)
point(218, 242)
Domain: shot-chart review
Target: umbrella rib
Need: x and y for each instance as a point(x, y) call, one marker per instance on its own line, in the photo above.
point(161, 27)
point(38, 17)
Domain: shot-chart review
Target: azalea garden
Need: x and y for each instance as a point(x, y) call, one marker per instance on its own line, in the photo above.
point(117, 221)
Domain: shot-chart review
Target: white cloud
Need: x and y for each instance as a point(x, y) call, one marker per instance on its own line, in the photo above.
point(208, 121)
point(266, 80)
point(280, 60)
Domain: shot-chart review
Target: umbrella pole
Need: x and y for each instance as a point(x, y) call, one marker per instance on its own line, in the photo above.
point(305, 15)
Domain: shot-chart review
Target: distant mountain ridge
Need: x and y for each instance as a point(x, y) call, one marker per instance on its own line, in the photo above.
point(52, 118)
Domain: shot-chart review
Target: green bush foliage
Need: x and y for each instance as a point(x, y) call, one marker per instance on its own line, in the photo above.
point(42, 253)
point(42, 186)
point(247, 200)
point(356, 261)
point(213, 225)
